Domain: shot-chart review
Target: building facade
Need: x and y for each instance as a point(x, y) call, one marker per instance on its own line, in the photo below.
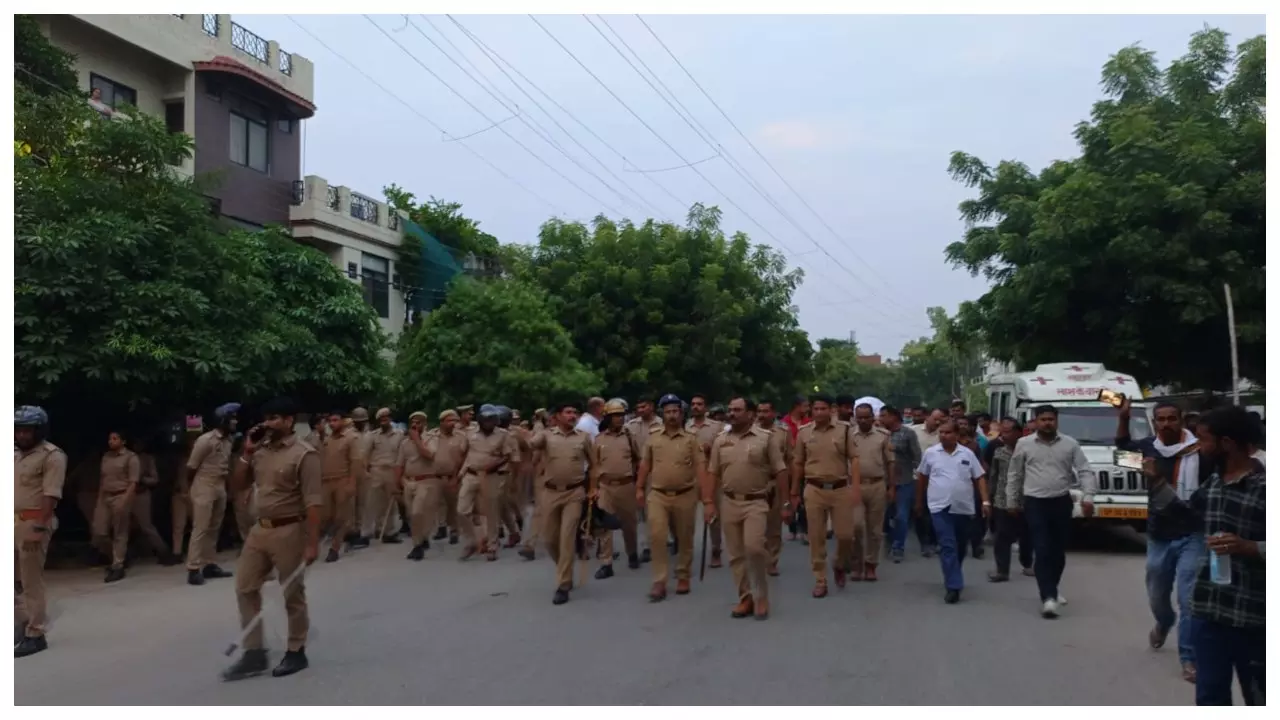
point(239, 96)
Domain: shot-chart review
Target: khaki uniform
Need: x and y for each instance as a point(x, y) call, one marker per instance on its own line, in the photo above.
point(362, 485)
point(120, 471)
point(180, 503)
point(674, 464)
point(37, 473)
point(706, 432)
point(534, 462)
point(560, 492)
point(773, 530)
point(518, 483)
point(286, 475)
point(823, 455)
point(422, 489)
point(616, 479)
point(211, 460)
point(744, 466)
point(140, 511)
point(875, 456)
point(382, 513)
point(341, 467)
point(480, 493)
point(448, 466)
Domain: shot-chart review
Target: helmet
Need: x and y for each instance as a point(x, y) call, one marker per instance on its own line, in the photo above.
point(224, 411)
point(620, 401)
point(670, 399)
point(717, 409)
point(487, 410)
point(30, 416)
point(615, 407)
point(504, 413)
point(360, 415)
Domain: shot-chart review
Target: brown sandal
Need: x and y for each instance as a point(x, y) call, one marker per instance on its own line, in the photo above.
point(820, 590)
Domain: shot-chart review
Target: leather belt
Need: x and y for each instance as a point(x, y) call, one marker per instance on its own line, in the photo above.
point(271, 523)
point(763, 495)
point(420, 477)
point(336, 478)
point(617, 481)
point(551, 486)
point(673, 492)
point(826, 484)
point(872, 480)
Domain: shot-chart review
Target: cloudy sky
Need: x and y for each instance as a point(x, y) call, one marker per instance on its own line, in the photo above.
point(858, 114)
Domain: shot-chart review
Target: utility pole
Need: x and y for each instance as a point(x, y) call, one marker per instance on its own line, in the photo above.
point(1235, 358)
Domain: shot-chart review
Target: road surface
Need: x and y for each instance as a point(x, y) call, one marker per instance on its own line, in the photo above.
point(440, 632)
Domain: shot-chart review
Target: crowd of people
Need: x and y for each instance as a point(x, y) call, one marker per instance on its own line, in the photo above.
point(829, 468)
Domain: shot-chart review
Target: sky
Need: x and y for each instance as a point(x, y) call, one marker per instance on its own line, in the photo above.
point(859, 114)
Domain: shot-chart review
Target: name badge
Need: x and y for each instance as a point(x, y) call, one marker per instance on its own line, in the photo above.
point(965, 463)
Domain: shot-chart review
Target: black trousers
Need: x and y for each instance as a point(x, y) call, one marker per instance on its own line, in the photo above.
point(799, 521)
point(1049, 521)
point(1011, 527)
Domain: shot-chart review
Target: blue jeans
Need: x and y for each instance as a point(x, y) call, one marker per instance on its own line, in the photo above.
point(1220, 649)
point(953, 542)
point(904, 498)
point(1173, 564)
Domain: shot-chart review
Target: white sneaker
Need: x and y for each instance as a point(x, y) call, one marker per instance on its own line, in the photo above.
point(1050, 609)
point(1062, 600)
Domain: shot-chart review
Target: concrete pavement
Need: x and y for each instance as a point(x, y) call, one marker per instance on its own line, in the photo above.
point(391, 631)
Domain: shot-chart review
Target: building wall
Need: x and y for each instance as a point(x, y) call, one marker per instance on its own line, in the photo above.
point(246, 194)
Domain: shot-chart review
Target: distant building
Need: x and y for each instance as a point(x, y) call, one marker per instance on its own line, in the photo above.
point(870, 360)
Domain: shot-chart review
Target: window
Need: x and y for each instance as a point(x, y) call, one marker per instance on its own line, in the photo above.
point(376, 281)
point(111, 93)
point(248, 142)
point(285, 125)
point(175, 118)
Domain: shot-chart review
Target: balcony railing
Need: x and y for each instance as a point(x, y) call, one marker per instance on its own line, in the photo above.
point(242, 39)
point(286, 63)
point(299, 192)
point(393, 220)
point(362, 208)
point(331, 198)
point(209, 23)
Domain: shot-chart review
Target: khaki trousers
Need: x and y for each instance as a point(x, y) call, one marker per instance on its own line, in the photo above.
point(208, 507)
point(31, 608)
point(504, 508)
point(447, 510)
point(839, 502)
point(562, 511)
point(868, 523)
point(674, 514)
point(140, 513)
point(773, 529)
point(338, 510)
point(619, 499)
point(535, 527)
point(744, 533)
point(359, 503)
point(472, 506)
point(421, 498)
point(246, 511)
point(180, 511)
point(266, 549)
point(382, 511)
point(111, 517)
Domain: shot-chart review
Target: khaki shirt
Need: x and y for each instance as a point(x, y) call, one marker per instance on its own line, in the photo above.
point(449, 452)
point(747, 462)
point(782, 438)
point(315, 440)
point(615, 456)
point(341, 456)
point(119, 471)
point(563, 454)
point(639, 431)
point(287, 478)
point(411, 459)
point(38, 473)
point(675, 461)
point(824, 453)
point(148, 474)
point(210, 458)
point(706, 431)
point(484, 450)
point(384, 448)
point(875, 453)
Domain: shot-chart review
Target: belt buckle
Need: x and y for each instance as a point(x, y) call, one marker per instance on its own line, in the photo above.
point(267, 523)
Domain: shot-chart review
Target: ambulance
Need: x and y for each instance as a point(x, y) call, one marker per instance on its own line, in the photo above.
point(1073, 388)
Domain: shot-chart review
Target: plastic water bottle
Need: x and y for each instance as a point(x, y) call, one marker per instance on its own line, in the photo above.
point(1219, 567)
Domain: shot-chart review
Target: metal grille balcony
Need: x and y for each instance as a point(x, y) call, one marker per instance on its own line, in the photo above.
point(299, 192)
point(362, 208)
point(331, 198)
point(209, 23)
point(393, 220)
point(286, 63)
point(242, 39)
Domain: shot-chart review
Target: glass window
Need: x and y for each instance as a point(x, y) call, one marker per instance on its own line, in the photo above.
point(1097, 425)
point(111, 93)
point(376, 277)
point(249, 146)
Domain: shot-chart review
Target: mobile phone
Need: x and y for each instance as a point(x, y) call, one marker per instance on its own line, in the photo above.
point(1128, 459)
point(1111, 397)
point(257, 433)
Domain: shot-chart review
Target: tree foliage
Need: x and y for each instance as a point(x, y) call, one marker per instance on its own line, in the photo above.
point(1120, 255)
point(445, 221)
point(661, 308)
point(492, 341)
point(127, 292)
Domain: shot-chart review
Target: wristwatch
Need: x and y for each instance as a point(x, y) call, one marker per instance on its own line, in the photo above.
point(786, 506)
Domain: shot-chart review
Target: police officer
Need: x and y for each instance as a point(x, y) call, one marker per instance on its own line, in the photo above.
point(286, 473)
point(767, 420)
point(744, 461)
point(706, 429)
point(509, 502)
point(490, 451)
point(342, 470)
point(533, 464)
point(671, 468)
point(358, 497)
point(39, 469)
point(566, 450)
point(207, 470)
point(421, 488)
point(638, 429)
point(119, 472)
point(616, 477)
point(382, 516)
point(825, 469)
point(875, 468)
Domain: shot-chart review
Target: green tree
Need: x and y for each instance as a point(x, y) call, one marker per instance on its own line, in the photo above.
point(41, 67)
point(492, 341)
point(1120, 255)
point(445, 221)
point(662, 308)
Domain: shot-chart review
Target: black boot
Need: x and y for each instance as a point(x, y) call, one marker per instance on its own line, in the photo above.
point(214, 572)
point(359, 542)
point(415, 553)
point(114, 575)
point(646, 556)
point(404, 528)
point(526, 553)
point(169, 559)
point(195, 577)
point(605, 572)
point(633, 562)
point(561, 597)
point(391, 539)
point(441, 533)
point(453, 538)
point(292, 662)
point(250, 664)
point(30, 646)
point(332, 556)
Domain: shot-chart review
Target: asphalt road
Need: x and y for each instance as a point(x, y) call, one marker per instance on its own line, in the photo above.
point(387, 631)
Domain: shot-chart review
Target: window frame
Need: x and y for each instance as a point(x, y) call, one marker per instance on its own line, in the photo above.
point(376, 283)
point(248, 149)
point(115, 88)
